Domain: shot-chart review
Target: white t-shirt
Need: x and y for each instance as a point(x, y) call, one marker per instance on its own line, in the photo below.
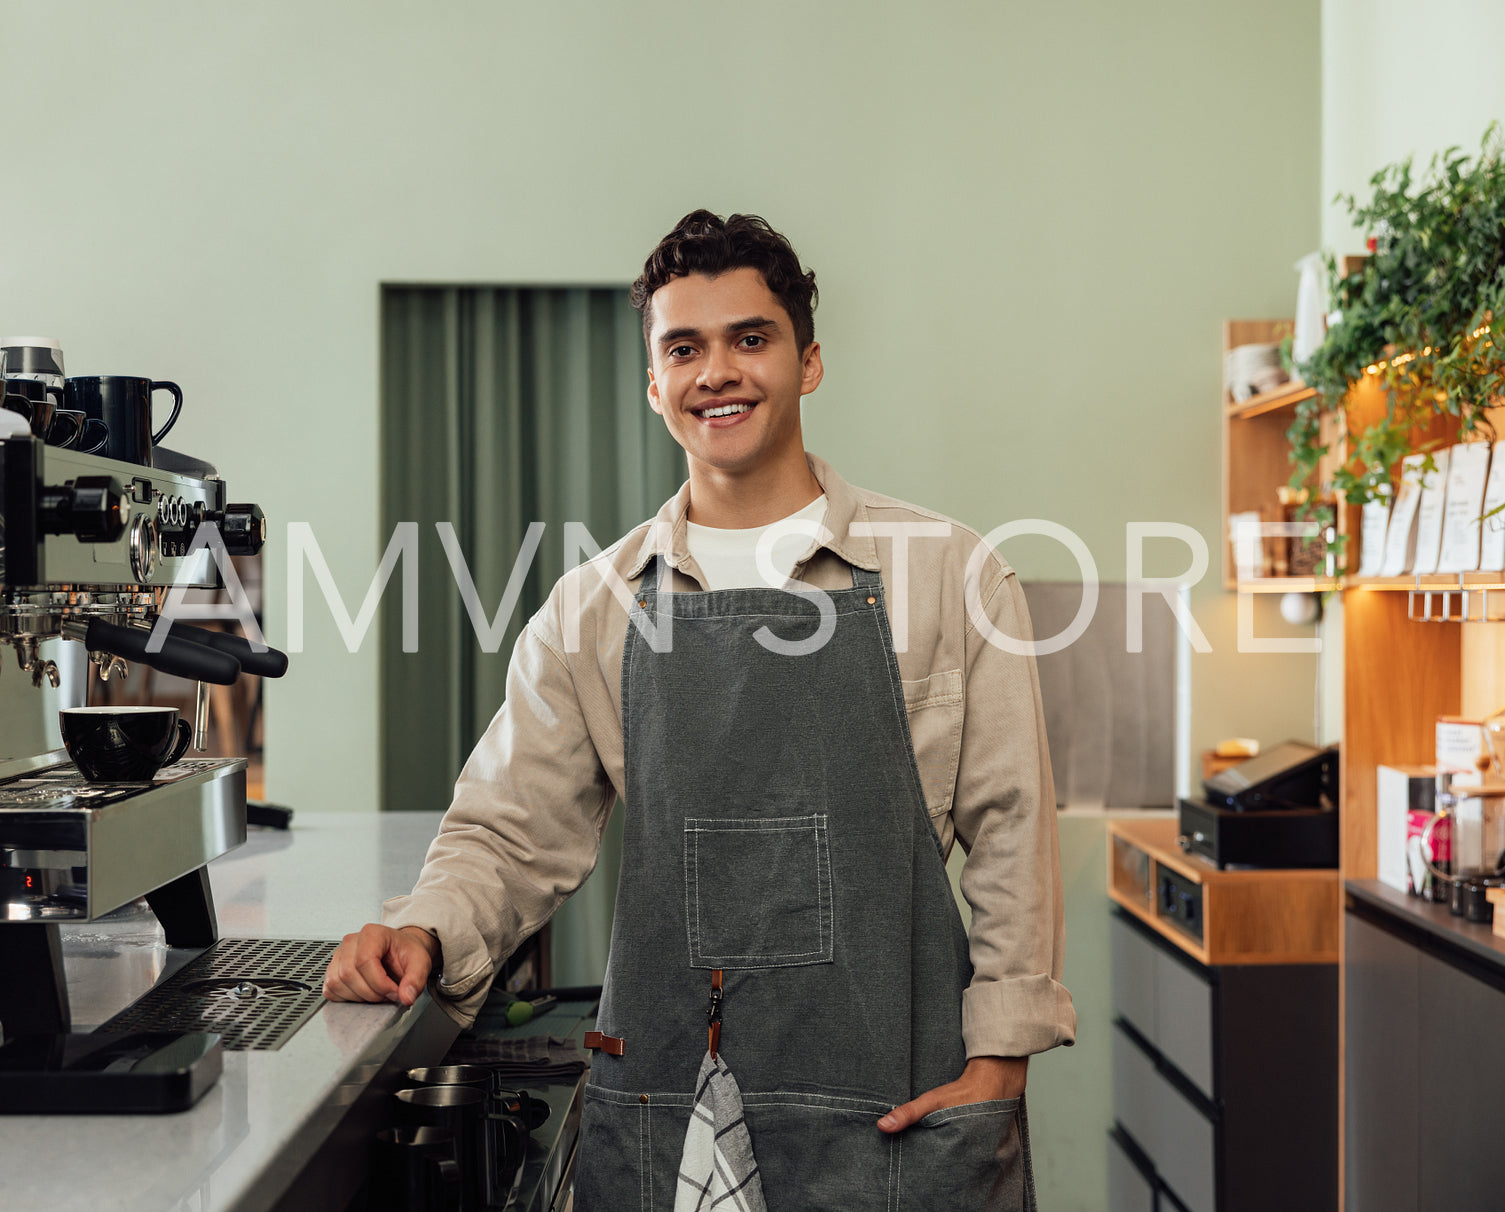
point(729, 558)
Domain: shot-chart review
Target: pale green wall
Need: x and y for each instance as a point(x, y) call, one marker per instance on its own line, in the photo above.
point(1399, 78)
point(1402, 78)
point(1029, 222)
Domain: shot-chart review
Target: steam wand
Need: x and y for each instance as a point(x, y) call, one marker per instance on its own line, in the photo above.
point(201, 718)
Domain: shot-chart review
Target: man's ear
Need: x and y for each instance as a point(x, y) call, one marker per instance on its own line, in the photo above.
point(812, 371)
point(653, 400)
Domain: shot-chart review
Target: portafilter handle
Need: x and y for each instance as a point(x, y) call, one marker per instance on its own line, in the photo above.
point(178, 657)
point(268, 663)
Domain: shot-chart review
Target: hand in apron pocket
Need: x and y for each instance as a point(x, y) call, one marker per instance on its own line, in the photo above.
point(974, 1157)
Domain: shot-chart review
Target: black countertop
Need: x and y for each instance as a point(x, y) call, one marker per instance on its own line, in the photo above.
point(1430, 925)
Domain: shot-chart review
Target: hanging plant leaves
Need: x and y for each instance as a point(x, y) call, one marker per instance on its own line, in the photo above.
point(1424, 314)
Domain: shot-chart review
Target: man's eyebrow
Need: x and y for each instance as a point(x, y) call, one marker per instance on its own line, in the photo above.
point(736, 326)
point(750, 323)
point(678, 334)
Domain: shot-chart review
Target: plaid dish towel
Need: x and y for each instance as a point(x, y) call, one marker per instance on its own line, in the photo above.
point(527, 1060)
point(718, 1170)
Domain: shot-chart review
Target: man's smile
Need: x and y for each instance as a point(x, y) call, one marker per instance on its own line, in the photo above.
point(720, 413)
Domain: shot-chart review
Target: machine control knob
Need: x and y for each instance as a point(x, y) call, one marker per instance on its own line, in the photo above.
point(243, 527)
point(91, 508)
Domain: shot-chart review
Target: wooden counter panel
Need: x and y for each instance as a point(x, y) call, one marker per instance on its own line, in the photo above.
point(1282, 916)
point(1400, 676)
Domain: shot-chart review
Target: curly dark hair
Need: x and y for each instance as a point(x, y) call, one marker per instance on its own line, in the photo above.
point(703, 243)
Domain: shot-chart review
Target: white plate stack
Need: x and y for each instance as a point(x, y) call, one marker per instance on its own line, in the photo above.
point(1250, 370)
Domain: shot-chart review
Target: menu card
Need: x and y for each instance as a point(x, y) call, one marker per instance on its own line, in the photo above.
point(1429, 516)
point(1400, 538)
point(1372, 525)
point(1492, 541)
point(1468, 469)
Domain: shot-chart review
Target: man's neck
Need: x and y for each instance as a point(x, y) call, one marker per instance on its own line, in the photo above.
point(740, 501)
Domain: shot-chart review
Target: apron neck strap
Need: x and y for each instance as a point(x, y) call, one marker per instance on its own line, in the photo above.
point(861, 578)
point(649, 583)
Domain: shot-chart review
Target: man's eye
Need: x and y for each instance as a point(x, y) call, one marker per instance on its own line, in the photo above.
point(681, 351)
point(753, 340)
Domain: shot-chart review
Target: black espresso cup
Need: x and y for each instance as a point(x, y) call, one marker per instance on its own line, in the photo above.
point(123, 744)
point(34, 400)
point(124, 403)
point(41, 404)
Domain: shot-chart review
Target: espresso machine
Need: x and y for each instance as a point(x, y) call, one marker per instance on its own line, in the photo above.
point(90, 547)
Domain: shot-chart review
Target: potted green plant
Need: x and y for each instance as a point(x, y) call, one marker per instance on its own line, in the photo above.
point(1425, 312)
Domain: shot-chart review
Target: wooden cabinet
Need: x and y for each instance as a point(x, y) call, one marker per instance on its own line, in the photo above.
point(1399, 675)
point(1225, 1080)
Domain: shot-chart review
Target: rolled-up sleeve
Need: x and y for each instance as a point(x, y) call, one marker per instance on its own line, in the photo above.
point(522, 833)
point(1004, 815)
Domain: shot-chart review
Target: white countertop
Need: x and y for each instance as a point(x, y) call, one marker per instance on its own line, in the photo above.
point(243, 1143)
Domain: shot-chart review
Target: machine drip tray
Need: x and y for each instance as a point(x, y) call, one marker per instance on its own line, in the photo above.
point(255, 993)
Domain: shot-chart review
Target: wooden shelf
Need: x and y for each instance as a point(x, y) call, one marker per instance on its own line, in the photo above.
point(1271, 401)
point(1257, 459)
point(1437, 583)
point(1288, 584)
point(1249, 917)
point(1434, 582)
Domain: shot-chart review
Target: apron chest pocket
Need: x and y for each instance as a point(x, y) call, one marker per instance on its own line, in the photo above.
point(758, 891)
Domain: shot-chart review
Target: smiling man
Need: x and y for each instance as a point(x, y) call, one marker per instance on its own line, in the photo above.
point(789, 683)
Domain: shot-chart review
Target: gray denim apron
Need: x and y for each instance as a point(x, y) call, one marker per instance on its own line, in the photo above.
point(776, 830)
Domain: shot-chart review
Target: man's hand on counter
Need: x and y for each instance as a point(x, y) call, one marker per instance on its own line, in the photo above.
point(381, 965)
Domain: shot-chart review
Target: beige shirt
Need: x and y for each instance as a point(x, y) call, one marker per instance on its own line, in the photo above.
point(524, 829)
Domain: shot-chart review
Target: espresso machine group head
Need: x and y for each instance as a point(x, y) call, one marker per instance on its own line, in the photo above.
point(90, 548)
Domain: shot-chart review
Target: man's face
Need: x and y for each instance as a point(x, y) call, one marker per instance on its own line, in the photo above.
point(726, 372)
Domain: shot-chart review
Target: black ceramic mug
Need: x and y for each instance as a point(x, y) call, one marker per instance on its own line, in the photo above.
point(123, 744)
point(124, 403)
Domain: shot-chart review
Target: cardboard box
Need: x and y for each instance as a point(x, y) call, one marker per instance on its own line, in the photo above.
point(1401, 791)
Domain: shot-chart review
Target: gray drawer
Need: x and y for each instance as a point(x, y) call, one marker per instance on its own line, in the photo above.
point(1165, 1001)
point(1166, 1125)
point(1183, 1020)
point(1134, 1081)
point(1128, 1189)
point(1134, 961)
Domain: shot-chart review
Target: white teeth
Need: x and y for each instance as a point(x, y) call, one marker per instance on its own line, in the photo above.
point(729, 410)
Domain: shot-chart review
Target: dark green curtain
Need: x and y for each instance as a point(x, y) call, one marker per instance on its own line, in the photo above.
point(502, 407)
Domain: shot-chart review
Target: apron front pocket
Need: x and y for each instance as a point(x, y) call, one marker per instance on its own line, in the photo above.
point(819, 1153)
point(973, 1157)
point(758, 891)
point(630, 1148)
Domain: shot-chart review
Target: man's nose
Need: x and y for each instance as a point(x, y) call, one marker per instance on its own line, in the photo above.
point(718, 368)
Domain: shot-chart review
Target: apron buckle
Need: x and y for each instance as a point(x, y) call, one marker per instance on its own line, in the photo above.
point(713, 1012)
